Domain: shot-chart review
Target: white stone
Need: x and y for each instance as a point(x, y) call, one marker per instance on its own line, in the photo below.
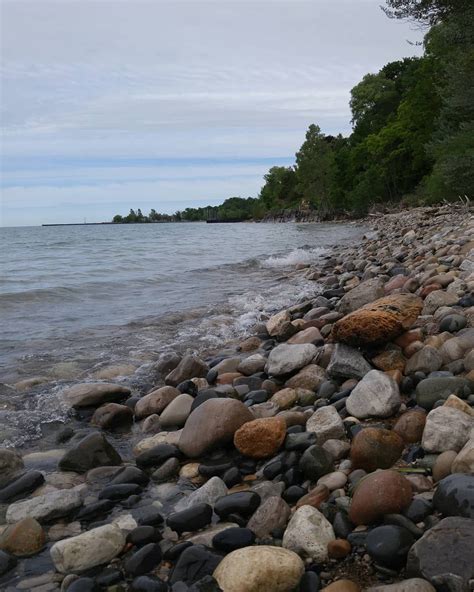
point(376, 395)
point(95, 547)
point(333, 481)
point(161, 438)
point(284, 358)
point(45, 507)
point(259, 568)
point(446, 428)
point(326, 423)
point(277, 323)
point(308, 534)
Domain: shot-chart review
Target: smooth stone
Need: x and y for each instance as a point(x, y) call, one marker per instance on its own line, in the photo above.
point(205, 536)
point(112, 416)
point(376, 395)
point(21, 486)
point(308, 534)
point(454, 496)
point(272, 514)
point(411, 585)
point(380, 493)
point(284, 358)
point(347, 362)
point(418, 510)
point(342, 586)
point(156, 456)
point(208, 493)
point(332, 481)
point(212, 424)
point(375, 448)
point(10, 464)
point(92, 451)
point(177, 412)
point(432, 389)
point(425, 360)
point(266, 569)
point(326, 424)
point(410, 426)
point(93, 394)
point(142, 535)
point(194, 563)
point(365, 293)
point(119, 491)
point(148, 584)
point(446, 429)
point(83, 585)
point(167, 471)
point(436, 299)
point(388, 545)
point(144, 560)
point(234, 538)
point(252, 364)
point(89, 549)
point(191, 366)
point(464, 461)
point(194, 518)
point(24, 538)
point(156, 401)
point(315, 497)
point(7, 562)
point(45, 508)
point(94, 510)
point(446, 549)
point(315, 463)
point(243, 503)
point(130, 474)
point(285, 398)
point(310, 378)
point(260, 438)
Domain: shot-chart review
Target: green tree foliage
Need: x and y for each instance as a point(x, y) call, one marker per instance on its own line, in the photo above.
point(279, 190)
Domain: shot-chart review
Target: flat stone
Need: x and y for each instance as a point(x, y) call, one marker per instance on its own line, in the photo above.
point(430, 390)
point(45, 508)
point(93, 394)
point(308, 534)
point(310, 377)
point(376, 395)
point(363, 294)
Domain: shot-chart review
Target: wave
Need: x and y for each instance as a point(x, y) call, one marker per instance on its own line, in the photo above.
point(302, 255)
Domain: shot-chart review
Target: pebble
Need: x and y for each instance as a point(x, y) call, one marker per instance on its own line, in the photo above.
point(144, 560)
point(230, 539)
point(376, 448)
point(388, 545)
point(196, 517)
point(243, 503)
point(260, 438)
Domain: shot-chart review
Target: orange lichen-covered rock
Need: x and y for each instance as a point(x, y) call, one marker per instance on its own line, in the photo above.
point(378, 322)
point(260, 438)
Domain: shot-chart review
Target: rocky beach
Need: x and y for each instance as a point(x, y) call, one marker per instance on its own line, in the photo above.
point(331, 448)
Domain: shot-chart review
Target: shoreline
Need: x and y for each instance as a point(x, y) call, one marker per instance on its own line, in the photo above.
point(308, 370)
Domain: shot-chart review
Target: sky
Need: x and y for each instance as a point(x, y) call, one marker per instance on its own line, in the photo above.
point(108, 105)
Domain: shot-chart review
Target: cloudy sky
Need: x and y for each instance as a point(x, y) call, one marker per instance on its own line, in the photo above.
point(113, 104)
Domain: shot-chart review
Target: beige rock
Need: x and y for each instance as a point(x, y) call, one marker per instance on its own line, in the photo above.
point(464, 461)
point(156, 401)
point(285, 398)
point(93, 394)
point(457, 403)
point(277, 323)
point(443, 464)
point(310, 377)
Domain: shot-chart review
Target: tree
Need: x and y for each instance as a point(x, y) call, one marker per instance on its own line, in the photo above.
point(428, 12)
point(279, 190)
point(118, 219)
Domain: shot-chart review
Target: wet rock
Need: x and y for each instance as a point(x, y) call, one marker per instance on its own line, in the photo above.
point(433, 389)
point(190, 367)
point(193, 564)
point(230, 539)
point(266, 569)
point(95, 547)
point(208, 493)
point(83, 585)
point(380, 493)
point(177, 412)
point(454, 496)
point(271, 515)
point(120, 491)
point(310, 377)
point(308, 335)
point(142, 535)
point(212, 424)
point(111, 416)
point(308, 534)
point(410, 426)
point(93, 394)
point(315, 463)
point(260, 438)
point(339, 548)
point(144, 560)
point(10, 464)
point(243, 503)
point(388, 545)
point(378, 322)
point(95, 510)
point(130, 474)
point(347, 362)
point(446, 429)
point(284, 358)
point(92, 451)
point(375, 448)
point(167, 471)
point(193, 518)
point(446, 549)
point(7, 562)
point(277, 324)
point(361, 295)
point(21, 486)
point(376, 395)
point(157, 455)
point(326, 424)
point(24, 538)
point(148, 584)
point(45, 508)
point(156, 401)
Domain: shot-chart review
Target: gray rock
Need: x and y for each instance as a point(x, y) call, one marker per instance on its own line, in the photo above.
point(454, 496)
point(347, 362)
point(315, 463)
point(95, 547)
point(271, 515)
point(411, 585)
point(425, 360)
point(190, 367)
point(93, 394)
point(166, 363)
point(45, 508)
point(168, 470)
point(177, 412)
point(326, 423)
point(208, 493)
point(308, 534)
point(285, 358)
point(446, 428)
point(10, 464)
point(92, 451)
point(252, 364)
point(444, 550)
point(430, 390)
point(376, 395)
point(362, 294)
point(436, 299)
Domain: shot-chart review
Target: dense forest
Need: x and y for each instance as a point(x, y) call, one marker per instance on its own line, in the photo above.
point(412, 137)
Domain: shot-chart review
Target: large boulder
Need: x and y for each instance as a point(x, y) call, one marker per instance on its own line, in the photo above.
point(260, 569)
point(260, 438)
point(93, 394)
point(308, 534)
point(212, 424)
point(92, 451)
point(89, 549)
point(190, 367)
point(444, 551)
point(446, 428)
point(378, 322)
point(347, 362)
point(376, 395)
point(365, 293)
point(285, 358)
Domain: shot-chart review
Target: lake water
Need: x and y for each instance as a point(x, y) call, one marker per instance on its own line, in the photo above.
point(74, 299)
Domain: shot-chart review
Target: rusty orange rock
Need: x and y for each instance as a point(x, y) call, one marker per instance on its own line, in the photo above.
point(315, 497)
point(410, 426)
point(260, 438)
point(376, 448)
point(378, 322)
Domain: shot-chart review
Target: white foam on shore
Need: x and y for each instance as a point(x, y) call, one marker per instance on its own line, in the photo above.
point(294, 257)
